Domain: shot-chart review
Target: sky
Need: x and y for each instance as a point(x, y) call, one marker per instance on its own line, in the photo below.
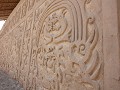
point(1, 24)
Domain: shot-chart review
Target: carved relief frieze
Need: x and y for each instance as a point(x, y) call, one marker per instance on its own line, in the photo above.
point(68, 56)
point(57, 47)
point(25, 55)
point(24, 8)
point(31, 4)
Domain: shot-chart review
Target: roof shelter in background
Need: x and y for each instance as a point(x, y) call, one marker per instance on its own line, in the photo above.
point(6, 7)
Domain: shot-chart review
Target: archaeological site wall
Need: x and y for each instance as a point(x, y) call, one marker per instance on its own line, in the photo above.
point(62, 45)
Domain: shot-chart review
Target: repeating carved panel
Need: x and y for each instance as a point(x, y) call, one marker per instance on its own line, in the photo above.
point(58, 46)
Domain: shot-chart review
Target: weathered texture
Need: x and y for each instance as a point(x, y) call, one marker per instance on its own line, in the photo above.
point(57, 45)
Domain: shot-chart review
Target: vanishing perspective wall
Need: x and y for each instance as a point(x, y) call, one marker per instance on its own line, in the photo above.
point(54, 45)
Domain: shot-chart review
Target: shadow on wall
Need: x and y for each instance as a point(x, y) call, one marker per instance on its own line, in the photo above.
point(7, 83)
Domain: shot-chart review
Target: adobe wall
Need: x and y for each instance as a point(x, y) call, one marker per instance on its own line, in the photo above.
point(62, 45)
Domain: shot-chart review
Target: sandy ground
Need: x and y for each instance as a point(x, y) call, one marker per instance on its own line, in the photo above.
point(6, 83)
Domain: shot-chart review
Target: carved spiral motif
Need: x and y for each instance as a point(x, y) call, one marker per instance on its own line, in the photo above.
point(82, 48)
